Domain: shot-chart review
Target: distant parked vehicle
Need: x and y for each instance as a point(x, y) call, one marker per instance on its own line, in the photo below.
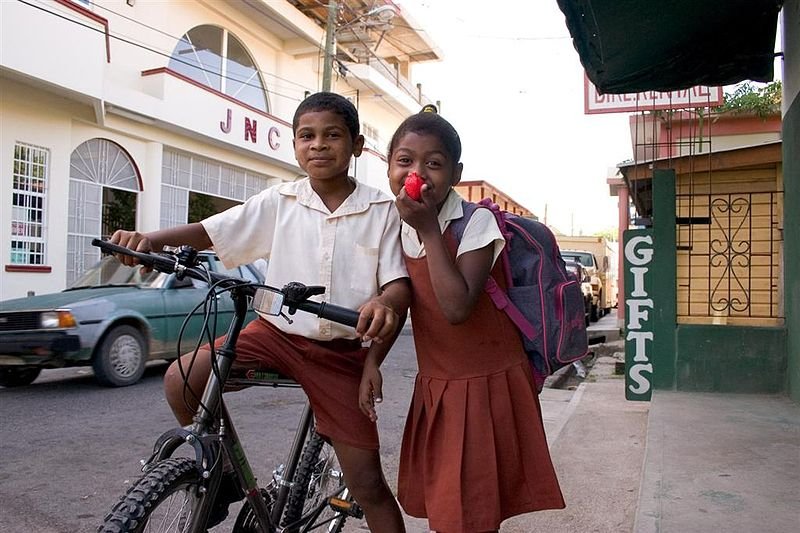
point(114, 318)
point(581, 275)
point(600, 258)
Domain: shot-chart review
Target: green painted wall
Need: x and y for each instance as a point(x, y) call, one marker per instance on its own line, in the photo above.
point(791, 243)
point(664, 270)
point(731, 359)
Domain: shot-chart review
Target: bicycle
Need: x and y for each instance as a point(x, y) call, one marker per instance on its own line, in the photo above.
point(307, 492)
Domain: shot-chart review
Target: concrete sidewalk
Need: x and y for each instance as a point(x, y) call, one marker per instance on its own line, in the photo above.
point(721, 462)
point(681, 463)
point(598, 456)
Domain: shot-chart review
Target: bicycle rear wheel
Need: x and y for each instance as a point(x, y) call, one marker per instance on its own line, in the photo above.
point(317, 480)
point(161, 501)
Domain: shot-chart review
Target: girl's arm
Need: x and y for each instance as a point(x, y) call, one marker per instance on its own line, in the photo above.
point(396, 296)
point(456, 285)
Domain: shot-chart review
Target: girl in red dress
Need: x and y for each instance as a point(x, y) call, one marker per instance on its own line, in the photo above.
point(474, 449)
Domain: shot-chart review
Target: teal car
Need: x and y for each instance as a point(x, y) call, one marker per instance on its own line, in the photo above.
point(114, 318)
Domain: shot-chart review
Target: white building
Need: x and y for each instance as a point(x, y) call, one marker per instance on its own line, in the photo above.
point(149, 114)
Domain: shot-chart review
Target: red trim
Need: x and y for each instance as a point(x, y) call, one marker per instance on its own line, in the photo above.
point(69, 4)
point(187, 79)
point(29, 268)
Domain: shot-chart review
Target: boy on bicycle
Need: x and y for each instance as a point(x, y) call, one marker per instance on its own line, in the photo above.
point(327, 229)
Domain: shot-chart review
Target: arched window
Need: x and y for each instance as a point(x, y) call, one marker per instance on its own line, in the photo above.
point(215, 57)
point(103, 188)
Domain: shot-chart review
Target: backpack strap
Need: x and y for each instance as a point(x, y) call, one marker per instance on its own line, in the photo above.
point(498, 296)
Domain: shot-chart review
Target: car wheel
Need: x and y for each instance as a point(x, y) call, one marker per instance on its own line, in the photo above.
point(119, 360)
point(18, 376)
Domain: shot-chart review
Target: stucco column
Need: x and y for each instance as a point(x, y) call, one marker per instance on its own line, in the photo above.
point(149, 208)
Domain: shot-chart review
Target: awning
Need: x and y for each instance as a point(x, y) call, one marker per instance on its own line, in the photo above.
point(630, 46)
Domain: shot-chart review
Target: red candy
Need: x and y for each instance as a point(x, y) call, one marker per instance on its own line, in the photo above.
point(413, 186)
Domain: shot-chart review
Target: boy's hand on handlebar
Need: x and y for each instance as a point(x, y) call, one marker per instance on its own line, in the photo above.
point(370, 391)
point(376, 321)
point(133, 240)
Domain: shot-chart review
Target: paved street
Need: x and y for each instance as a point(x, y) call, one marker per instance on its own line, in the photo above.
point(70, 448)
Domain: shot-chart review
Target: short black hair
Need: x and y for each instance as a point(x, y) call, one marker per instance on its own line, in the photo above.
point(426, 123)
point(325, 101)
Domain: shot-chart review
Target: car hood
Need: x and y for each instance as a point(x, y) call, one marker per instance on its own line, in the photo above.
point(64, 299)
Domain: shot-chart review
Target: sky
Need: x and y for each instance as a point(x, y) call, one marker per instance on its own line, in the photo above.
point(512, 85)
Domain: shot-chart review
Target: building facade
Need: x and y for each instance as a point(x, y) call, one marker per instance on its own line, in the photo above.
point(675, 343)
point(124, 113)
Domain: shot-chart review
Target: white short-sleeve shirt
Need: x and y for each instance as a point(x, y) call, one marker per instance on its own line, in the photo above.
point(481, 230)
point(352, 252)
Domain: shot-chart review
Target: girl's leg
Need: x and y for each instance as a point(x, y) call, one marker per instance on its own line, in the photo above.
point(364, 476)
point(182, 402)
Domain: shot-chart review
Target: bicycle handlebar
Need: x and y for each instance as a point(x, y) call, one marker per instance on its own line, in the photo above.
point(295, 294)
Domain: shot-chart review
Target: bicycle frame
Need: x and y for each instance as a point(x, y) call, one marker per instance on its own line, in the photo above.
point(209, 445)
point(212, 434)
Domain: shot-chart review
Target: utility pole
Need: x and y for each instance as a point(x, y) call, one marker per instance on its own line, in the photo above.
point(330, 42)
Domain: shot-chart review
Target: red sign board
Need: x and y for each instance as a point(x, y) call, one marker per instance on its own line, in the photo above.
point(698, 96)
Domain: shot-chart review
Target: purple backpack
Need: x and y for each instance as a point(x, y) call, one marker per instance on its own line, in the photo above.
point(543, 300)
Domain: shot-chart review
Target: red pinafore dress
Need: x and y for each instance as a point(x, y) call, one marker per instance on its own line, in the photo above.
point(474, 448)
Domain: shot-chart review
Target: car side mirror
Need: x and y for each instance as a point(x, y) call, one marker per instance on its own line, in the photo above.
point(587, 279)
point(182, 283)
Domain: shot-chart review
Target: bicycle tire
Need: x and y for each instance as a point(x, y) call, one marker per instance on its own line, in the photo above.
point(152, 495)
point(318, 476)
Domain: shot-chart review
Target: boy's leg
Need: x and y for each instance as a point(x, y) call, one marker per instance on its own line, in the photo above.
point(182, 402)
point(364, 476)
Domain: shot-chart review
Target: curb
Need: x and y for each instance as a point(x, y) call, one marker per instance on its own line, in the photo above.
point(557, 378)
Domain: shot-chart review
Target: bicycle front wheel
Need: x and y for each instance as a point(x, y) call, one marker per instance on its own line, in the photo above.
point(161, 501)
point(318, 479)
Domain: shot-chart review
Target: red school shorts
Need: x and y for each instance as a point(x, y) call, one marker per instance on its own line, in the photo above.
point(329, 372)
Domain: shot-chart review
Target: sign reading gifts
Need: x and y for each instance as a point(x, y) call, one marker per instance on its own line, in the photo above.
point(638, 247)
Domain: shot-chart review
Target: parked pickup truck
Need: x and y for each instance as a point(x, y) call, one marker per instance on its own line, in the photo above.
point(599, 259)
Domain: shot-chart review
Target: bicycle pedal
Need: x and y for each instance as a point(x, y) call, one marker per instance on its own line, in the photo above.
point(349, 508)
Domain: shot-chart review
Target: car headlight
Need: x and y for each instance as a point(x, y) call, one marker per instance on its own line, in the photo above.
point(57, 319)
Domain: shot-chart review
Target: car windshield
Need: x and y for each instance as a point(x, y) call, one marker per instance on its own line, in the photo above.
point(110, 272)
point(574, 269)
point(582, 258)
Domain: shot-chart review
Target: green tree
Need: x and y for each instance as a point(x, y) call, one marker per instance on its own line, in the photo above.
point(119, 210)
point(201, 206)
point(749, 99)
point(610, 234)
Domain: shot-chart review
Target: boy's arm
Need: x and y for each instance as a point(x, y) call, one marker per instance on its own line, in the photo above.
point(194, 235)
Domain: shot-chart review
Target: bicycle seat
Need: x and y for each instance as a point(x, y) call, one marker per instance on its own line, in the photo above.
point(265, 377)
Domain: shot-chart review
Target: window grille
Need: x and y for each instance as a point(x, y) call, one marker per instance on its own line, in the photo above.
point(729, 247)
point(182, 173)
point(95, 165)
point(28, 205)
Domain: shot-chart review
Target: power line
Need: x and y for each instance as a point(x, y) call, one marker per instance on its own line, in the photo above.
point(149, 48)
point(166, 34)
point(130, 41)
